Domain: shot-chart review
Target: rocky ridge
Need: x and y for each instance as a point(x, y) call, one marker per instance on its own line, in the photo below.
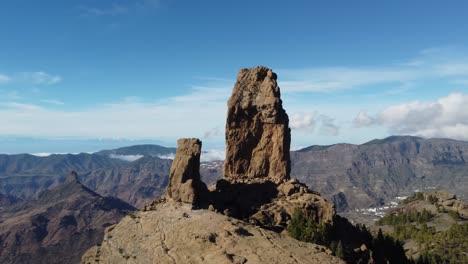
point(59, 226)
point(175, 233)
point(255, 190)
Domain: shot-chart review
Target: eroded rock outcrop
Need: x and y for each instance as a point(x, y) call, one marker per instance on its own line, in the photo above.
point(257, 129)
point(255, 194)
point(291, 196)
point(174, 233)
point(185, 184)
point(72, 177)
point(256, 184)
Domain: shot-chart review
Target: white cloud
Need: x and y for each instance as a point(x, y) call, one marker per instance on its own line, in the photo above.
point(167, 119)
point(444, 117)
point(304, 121)
point(168, 156)
point(363, 120)
point(39, 77)
point(339, 78)
point(42, 154)
point(19, 107)
point(52, 101)
point(213, 155)
point(126, 157)
point(206, 155)
point(308, 121)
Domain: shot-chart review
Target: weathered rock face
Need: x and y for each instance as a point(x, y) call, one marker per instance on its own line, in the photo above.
point(256, 190)
point(175, 233)
point(290, 196)
point(257, 129)
point(185, 184)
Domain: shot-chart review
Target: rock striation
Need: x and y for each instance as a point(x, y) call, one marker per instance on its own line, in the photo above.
point(185, 184)
point(257, 129)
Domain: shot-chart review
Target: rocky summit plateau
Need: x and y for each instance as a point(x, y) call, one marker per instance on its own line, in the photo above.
point(240, 219)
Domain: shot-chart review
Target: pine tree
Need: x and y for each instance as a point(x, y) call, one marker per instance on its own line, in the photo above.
point(340, 250)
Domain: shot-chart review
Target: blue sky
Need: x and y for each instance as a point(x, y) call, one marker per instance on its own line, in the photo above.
point(81, 75)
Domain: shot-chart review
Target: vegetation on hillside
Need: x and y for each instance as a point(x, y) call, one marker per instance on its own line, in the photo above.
point(435, 247)
point(355, 244)
point(414, 197)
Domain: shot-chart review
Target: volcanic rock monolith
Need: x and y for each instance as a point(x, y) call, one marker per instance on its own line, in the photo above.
point(185, 184)
point(258, 136)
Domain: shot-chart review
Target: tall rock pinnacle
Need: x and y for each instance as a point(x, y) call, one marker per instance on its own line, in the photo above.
point(72, 177)
point(257, 129)
point(185, 184)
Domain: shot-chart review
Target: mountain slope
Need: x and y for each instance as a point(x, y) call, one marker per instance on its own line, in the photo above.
point(433, 226)
point(374, 173)
point(144, 150)
point(58, 226)
point(352, 176)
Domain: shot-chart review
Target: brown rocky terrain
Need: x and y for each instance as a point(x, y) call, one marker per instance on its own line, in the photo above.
point(174, 233)
point(257, 129)
point(58, 226)
point(185, 184)
point(253, 191)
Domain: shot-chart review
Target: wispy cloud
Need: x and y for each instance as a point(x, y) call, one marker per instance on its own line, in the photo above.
point(118, 8)
point(19, 107)
point(428, 65)
point(166, 118)
point(213, 155)
point(212, 133)
point(328, 126)
point(129, 158)
point(204, 94)
point(309, 121)
point(37, 77)
point(52, 101)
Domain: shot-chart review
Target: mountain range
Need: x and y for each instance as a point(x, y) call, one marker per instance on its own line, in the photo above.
point(58, 226)
point(354, 177)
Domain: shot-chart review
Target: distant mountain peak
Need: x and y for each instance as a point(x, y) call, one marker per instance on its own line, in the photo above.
point(391, 139)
